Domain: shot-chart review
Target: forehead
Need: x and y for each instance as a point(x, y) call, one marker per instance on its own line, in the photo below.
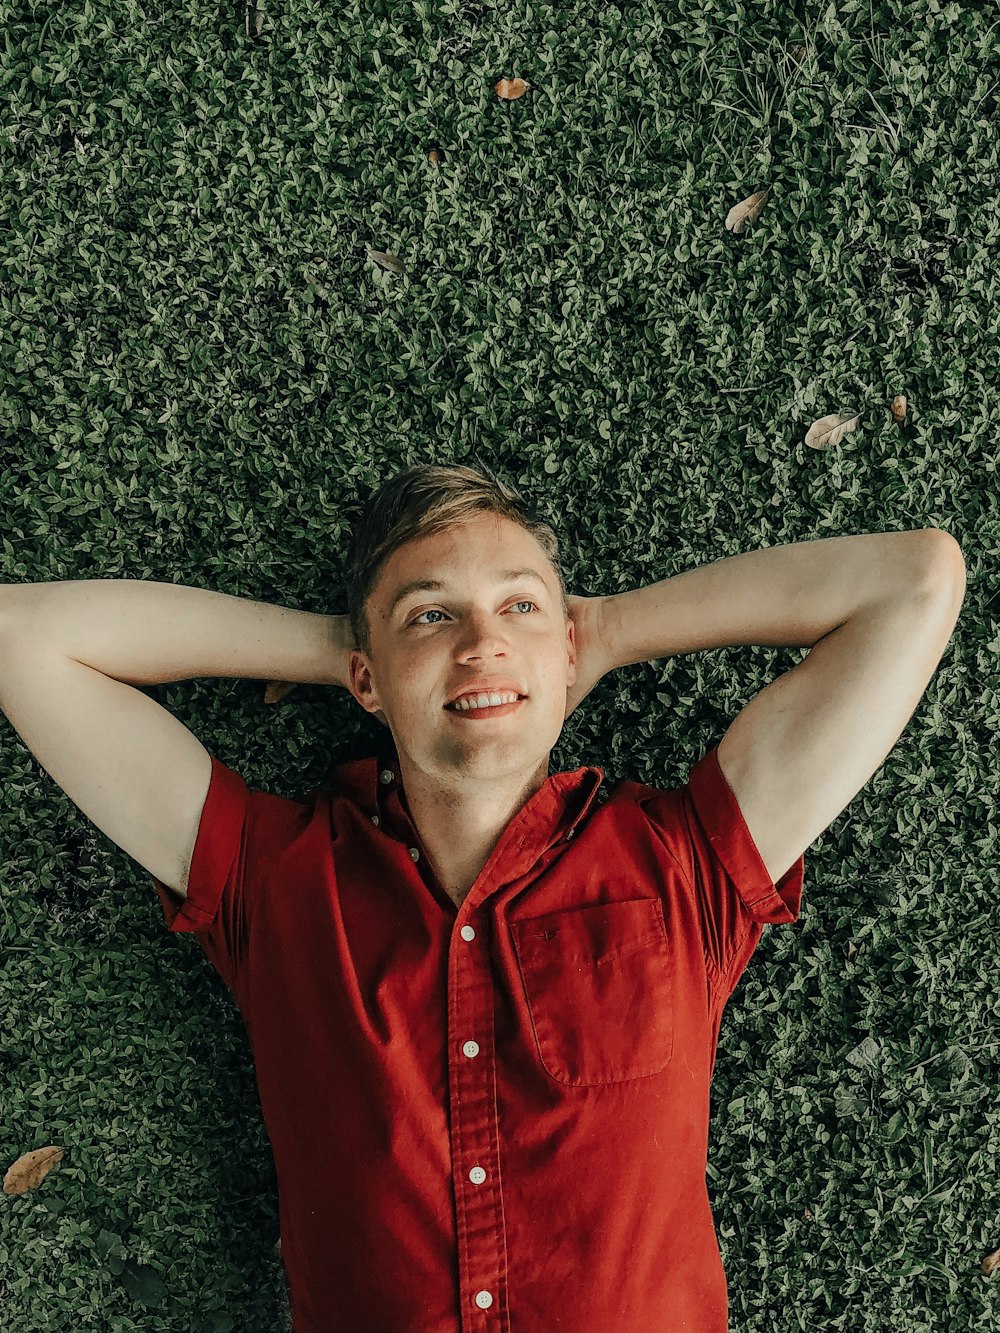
point(487, 539)
point(486, 543)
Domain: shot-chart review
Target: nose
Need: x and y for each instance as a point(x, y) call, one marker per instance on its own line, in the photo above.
point(483, 635)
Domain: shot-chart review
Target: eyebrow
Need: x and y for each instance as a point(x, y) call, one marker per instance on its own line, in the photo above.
point(503, 576)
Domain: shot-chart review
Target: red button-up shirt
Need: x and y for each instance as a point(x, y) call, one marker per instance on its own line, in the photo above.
point(490, 1117)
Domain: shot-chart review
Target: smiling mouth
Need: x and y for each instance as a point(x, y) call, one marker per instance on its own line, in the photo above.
point(492, 710)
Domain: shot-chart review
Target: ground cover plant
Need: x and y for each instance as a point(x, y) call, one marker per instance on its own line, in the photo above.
point(700, 278)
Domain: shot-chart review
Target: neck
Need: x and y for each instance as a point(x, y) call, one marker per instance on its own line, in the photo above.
point(460, 822)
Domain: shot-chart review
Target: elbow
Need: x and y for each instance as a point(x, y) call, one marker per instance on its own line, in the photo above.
point(942, 570)
point(943, 560)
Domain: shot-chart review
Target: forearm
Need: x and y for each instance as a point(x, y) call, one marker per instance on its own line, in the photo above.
point(144, 632)
point(787, 596)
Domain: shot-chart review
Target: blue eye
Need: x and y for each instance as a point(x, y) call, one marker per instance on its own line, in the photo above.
point(434, 612)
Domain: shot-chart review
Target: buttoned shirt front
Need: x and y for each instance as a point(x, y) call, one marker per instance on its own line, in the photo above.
point(493, 1117)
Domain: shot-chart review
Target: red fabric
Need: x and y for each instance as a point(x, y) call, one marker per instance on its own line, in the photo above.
point(551, 1176)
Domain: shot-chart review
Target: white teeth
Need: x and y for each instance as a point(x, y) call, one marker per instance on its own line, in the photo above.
point(470, 701)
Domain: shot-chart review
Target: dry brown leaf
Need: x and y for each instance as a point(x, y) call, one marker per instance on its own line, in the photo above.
point(30, 1170)
point(899, 408)
point(509, 89)
point(828, 431)
point(991, 1263)
point(391, 262)
point(746, 211)
point(276, 690)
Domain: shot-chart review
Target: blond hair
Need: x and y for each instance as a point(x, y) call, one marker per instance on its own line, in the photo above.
point(419, 502)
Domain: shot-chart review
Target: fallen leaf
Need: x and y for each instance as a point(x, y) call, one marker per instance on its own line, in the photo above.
point(746, 211)
point(276, 690)
point(391, 262)
point(30, 1170)
point(509, 89)
point(320, 289)
point(828, 431)
point(257, 9)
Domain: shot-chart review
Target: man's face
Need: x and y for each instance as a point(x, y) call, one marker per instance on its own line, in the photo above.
point(434, 642)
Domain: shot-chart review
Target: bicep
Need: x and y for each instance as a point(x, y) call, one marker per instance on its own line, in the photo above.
point(802, 748)
point(126, 762)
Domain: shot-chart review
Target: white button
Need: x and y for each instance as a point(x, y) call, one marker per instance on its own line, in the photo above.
point(484, 1300)
point(477, 1175)
point(386, 775)
point(374, 819)
point(470, 1049)
point(414, 853)
point(468, 933)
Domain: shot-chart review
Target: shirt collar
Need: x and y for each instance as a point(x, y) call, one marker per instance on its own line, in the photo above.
point(551, 815)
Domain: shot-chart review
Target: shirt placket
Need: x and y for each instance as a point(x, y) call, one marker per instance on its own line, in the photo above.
point(474, 1125)
point(475, 1154)
point(474, 1130)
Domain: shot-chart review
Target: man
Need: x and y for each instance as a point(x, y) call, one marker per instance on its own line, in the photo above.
point(483, 1000)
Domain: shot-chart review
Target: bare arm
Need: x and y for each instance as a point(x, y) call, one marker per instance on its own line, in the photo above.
point(876, 610)
point(148, 633)
point(70, 655)
point(787, 596)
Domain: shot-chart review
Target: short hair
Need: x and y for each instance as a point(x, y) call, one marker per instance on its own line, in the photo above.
point(419, 502)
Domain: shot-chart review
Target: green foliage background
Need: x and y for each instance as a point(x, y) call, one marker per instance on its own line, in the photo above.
point(204, 374)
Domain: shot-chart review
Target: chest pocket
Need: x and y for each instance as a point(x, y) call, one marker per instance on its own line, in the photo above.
point(599, 983)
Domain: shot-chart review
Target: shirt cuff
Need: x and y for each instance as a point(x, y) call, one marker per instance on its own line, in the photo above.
point(216, 846)
point(720, 816)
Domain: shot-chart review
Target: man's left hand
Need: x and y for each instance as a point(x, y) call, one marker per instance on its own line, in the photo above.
point(593, 658)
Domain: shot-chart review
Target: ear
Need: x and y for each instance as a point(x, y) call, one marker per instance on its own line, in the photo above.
point(362, 686)
point(571, 651)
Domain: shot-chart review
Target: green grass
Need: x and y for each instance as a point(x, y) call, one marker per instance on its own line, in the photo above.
point(203, 374)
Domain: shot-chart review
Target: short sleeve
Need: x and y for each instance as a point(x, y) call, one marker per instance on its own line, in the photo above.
point(216, 904)
point(702, 826)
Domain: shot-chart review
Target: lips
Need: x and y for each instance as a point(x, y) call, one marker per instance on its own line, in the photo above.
point(496, 685)
point(453, 706)
point(479, 714)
